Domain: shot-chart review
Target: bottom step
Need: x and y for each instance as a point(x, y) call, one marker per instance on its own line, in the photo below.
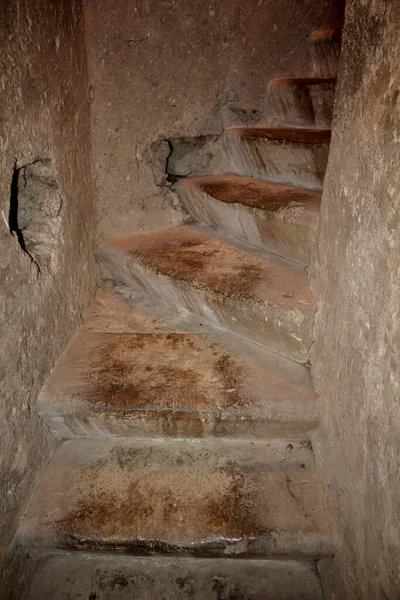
point(205, 498)
point(103, 577)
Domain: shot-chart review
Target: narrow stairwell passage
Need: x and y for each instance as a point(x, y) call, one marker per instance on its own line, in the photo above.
point(185, 403)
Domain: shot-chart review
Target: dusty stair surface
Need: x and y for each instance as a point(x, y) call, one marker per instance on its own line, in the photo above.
point(214, 498)
point(184, 403)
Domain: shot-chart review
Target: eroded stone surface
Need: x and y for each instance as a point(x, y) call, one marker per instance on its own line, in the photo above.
point(231, 288)
point(218, 498)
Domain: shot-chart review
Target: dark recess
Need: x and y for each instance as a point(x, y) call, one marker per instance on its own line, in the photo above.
point(13, 212)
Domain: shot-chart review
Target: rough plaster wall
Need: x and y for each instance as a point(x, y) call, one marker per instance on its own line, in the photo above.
point(357, 283)
point(170, 68)
point(44, 113)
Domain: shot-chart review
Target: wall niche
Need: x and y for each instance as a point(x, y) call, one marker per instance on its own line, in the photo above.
point(36, 206)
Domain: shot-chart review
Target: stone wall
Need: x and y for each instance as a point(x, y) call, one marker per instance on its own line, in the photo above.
point(46, 270)
point(174, 68)
point(357, 283)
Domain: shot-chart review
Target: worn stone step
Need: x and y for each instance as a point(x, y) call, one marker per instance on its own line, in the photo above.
point(302, 101)
point(324, 47)
point(295, 155)
point(57, 576)
point(172, 384)
point(268, 215)
point(231, 288)
point(208, 498)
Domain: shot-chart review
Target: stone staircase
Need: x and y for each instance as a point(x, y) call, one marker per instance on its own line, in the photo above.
point(184, 404)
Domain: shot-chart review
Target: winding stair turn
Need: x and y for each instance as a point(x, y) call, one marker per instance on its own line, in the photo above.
point(184, 403)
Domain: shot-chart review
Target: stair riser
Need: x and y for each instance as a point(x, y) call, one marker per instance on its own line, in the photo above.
point(282, 232)
point(105, 577)
point(286, 332)
point(184, 425)
point(273, 545)
point(295, 163)
point(325, 57)
point(323, 100)
point(303, 105)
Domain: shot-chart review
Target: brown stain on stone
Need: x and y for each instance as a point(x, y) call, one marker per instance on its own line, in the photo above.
point(194, 257)
point(233, 513)
point(255, 193)
point(157, 510)
point(162, 371)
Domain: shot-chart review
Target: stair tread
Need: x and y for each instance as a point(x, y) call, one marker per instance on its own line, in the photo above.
point(61, 575)
point(220, 498)
point(206, 262)
point(153, 373)
point(300, 135)
point(257, 193)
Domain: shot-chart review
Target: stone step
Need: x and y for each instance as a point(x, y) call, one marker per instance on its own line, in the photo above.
point(292, 155)
point(295, 155)
point(204, 498)
point(172, 384)
point(302, 101)
point(268, 215)
point(324, 47)
point(231, 288)
point(62, 575)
